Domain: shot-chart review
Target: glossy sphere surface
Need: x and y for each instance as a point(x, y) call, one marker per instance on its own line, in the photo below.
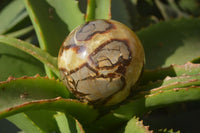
point(100, 60)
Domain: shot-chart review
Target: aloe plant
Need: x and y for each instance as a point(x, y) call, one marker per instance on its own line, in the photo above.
point(33, 97)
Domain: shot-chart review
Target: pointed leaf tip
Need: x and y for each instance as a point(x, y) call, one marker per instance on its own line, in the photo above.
point(136, 126)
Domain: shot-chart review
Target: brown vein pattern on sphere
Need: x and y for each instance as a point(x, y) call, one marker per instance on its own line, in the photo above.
point(83, 79)
point(75, 48)
point(96, 63)
point(111, 53)
point(92, 28)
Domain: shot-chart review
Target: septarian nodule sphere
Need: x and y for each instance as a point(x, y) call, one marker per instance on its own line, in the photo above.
point(100, 60)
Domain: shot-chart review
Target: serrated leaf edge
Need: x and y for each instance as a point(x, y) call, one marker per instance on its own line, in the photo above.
point(140, 125)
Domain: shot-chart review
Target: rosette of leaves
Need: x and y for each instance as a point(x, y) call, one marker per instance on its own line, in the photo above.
point(34, 99)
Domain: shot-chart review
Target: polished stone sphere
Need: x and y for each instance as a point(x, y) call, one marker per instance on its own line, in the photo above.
point(100, 61)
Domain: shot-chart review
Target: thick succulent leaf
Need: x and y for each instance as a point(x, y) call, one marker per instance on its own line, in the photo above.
point(68, 124)
point(170, 83)
point(36, 52)
point(35, 121)
point(52, 21)
point(98, 9)
point(48, 18)
point(81, 111)
point(136, 126)
point(32, 93)
point(21, 32)
point(103, 9)
point(17, 91)
point(69, 12)
point(90, 14)
point(23, 122)
point(191, 6)
point(171, 42)
point(178, 89)
point(17, 63)
point(44, 119)
point(120, 12)
point(172, 71)
point(11, 15)
point(79, 127)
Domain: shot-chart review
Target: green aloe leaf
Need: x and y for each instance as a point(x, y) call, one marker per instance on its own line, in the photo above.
point(69, 13)
point(170, 83)
point(52, 21)
point(43, 119)
point(171, 42)
point(120, 13)
point(11, 15)
point(36, 52)
point(68, 124)
point(17, 63)
point(82, 112)
point(136, 126)
point(173, 71)
point(191, 6)
point(35, 121)
point(21, 32)
point(23, 122)
point(17, 91)
point(103, 9)
point(98, 9)
point(28, 89)
point(163, 93)
point(33, 93)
